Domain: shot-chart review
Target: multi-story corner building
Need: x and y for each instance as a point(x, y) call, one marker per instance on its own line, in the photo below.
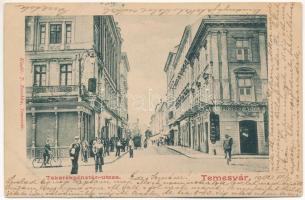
point(222, 86)
point(178, 79)
point(72, 78)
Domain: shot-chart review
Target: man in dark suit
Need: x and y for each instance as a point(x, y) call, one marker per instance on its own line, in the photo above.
point(227, 146)
point(74, 154)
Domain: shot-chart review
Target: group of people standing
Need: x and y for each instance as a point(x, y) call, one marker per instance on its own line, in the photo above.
point(98, 149)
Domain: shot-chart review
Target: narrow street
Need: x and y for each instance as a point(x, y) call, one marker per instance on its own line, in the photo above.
point(163, 160)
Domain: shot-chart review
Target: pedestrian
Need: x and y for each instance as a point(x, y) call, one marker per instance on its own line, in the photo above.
point(123, 145)
point(118, 147)
point(112, 144)
point(145, 143)
point(46, 153)
point(74, 154)
point(227, 146)
point(107, 143)
point(98, 155)
point(85, 151)
point(131, 147)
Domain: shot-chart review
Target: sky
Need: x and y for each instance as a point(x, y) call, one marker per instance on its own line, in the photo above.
point(147, 42)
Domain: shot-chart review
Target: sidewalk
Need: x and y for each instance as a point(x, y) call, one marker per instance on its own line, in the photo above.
point(107, 160)
point(190, 153)
point(66, 162)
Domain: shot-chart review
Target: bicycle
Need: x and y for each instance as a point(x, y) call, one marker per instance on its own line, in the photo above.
point(53, 161)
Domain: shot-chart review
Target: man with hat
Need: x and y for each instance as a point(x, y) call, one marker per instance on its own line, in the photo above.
point(74, 154)
point(227, 146)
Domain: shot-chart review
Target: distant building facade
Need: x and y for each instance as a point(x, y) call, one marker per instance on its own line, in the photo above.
point(219, 83)
point(123, 99)
point(72, 79)
point(158, 122)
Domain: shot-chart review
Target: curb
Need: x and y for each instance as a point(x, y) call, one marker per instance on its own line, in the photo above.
point(218, 156)
point(116, 158)
point(180, 152)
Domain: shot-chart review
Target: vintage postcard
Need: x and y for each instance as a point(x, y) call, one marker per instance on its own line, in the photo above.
point(153, 100)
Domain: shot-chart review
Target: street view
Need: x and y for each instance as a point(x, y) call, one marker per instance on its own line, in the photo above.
point(125, 94)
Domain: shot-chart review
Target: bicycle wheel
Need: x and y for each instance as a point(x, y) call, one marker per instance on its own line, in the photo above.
point(55, 162)
point(37, 162)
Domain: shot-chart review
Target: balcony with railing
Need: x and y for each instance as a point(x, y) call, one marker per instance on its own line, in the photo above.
point(45, 91)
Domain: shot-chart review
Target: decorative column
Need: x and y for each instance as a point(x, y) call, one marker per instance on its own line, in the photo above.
point(63, 34)
point(177, 133)
point(225, 71)
point(264, 67)
point(215, 66)
point(31, 23)
point(33, 148)
point(47, 36)
point(56, 132)
point(79, 123)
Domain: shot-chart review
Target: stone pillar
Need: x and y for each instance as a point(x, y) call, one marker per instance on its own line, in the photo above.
point(209, 89)
point(189, 133)
point(215, 67)
point(33, 153)
point(63, 35)
point(225, 71)
point(179, 135)
point(47, 37)
point(30, 40)
point(264, 67)
point(56, 132)
point(79, 123)
point(33, 125)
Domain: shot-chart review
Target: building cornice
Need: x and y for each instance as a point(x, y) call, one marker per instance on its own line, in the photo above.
point(224, 22)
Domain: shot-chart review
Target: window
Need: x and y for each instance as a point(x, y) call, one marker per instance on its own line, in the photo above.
point(243, 52)
point(42, 33)
point(55, 33)
point(68, 33)
point(245, 87)
point(65, 74)
point(39, 75)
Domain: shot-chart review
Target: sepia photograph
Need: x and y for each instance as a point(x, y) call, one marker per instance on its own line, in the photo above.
point(84, 108)
point(152, 100)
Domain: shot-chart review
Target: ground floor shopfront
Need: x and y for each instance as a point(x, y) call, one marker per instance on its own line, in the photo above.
point(60, 122)
point(205, 130)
